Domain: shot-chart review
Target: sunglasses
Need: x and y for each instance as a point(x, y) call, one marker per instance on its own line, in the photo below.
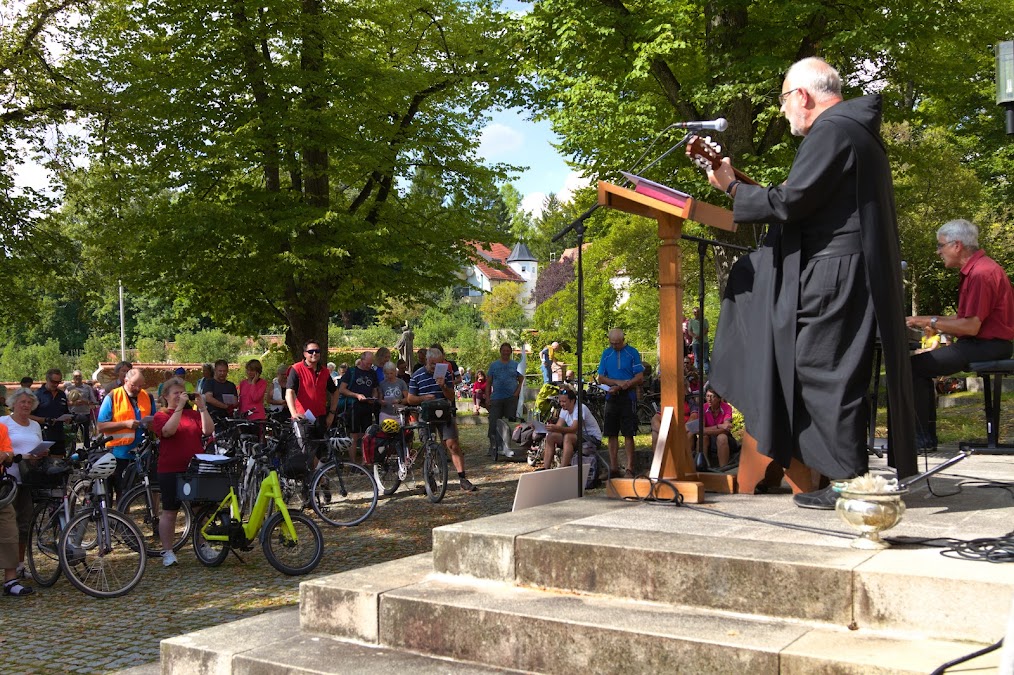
point(313, 351)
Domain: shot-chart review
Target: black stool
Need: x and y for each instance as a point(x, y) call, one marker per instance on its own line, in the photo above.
point(992, 373)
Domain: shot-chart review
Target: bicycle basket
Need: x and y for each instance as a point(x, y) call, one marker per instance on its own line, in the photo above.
point(440, 410)
point(47, 472)
point(207, 479)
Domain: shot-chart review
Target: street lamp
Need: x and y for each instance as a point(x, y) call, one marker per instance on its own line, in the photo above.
point(1005, 80)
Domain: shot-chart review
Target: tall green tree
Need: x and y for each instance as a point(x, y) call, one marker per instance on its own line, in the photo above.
point(270, 144)
point(613, 73)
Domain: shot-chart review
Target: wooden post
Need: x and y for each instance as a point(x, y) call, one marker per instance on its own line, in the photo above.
point(672, 460)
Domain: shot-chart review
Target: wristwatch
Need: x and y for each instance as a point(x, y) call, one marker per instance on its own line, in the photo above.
point(933, 322)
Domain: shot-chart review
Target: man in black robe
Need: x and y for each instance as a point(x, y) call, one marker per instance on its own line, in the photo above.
point(801, 313)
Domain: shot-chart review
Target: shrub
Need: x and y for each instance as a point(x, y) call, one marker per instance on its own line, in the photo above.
point(32, 361)
point(207, 346)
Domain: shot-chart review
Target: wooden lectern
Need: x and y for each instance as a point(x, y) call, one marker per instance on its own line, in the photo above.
point(672, 461)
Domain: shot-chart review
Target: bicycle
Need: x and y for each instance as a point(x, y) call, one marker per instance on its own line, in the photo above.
point(220, 528)
point(101, 550)
point(342, 493)
point(143, 502)
point(54, 507)
point(391, 469)
point(56, 501)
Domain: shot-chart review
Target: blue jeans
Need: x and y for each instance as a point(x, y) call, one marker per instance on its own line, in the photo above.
point(547, 377)
point(703, 364)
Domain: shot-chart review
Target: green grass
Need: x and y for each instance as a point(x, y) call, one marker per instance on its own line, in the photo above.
point(964, 420)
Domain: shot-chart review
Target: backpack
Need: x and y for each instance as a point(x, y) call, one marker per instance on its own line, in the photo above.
point(593, 474)
point(524, 434)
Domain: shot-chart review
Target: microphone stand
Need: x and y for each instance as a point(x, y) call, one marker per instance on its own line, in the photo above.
point(579, 228)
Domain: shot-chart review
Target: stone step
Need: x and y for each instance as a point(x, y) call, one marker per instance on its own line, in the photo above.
point(578, 546)
point(273, 643)
point(539, 631)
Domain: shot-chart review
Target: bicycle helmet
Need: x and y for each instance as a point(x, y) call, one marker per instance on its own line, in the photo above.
point(390, 426)
point(339, 443)
point(372, 430)
point(8, 489)
point(103, 467)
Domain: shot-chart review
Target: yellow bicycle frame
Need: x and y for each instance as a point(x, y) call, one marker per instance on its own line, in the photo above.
point(270, 491)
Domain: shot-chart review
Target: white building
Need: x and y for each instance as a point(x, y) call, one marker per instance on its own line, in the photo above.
point(499, 264)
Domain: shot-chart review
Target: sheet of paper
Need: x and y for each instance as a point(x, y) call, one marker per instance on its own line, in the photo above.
point(310, 417)
point(41, 448)
point(604, 387)
point(440, 372)
point(539, 427)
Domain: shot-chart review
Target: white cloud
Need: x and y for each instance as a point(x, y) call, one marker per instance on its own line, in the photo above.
point(534, 201)
point(573, 182)
point(498, 140)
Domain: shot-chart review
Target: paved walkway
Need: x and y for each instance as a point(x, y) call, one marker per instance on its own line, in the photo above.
point(60, 630)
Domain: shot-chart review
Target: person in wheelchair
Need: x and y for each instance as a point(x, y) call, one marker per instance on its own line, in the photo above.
point(564, 431)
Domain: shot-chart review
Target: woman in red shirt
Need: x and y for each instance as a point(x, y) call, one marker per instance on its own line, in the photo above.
point(251, 392)
point(479, 391)
point(181, 430)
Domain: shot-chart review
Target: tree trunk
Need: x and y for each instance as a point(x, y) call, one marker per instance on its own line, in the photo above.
point(307, 315)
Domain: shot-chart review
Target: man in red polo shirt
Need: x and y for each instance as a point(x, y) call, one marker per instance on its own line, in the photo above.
point(984, 324)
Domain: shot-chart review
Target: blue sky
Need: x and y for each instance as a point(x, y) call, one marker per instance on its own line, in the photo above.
point(514, 139)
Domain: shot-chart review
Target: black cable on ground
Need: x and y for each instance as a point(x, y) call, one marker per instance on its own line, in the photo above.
point(968, 657)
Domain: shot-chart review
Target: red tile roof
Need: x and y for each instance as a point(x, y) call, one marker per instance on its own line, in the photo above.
point(494, 263)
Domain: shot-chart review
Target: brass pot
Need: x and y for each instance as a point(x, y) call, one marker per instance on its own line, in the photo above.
point(871, 514)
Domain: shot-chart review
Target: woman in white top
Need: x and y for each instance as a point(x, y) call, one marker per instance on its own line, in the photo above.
point(276, 399)
point(25, 435)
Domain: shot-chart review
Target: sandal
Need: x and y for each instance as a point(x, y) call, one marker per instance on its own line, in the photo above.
point(628, 474)
point(14, 587)
point(615, 473)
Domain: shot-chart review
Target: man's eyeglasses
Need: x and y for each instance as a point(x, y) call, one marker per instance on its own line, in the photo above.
point(941, 245)
point(55, 381)
point(782, 97)
point(313, 351)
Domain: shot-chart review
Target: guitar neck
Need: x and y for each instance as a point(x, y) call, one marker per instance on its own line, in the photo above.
point(740, 176)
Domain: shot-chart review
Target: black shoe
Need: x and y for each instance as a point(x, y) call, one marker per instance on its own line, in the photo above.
point(925, 442)
point(821, 499)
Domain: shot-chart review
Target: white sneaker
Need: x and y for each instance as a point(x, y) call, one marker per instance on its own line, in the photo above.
point(168, 559)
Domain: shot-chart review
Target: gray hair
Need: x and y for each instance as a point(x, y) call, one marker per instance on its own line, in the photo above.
point(434, 353)
point(390, 367)
point(961, 230)
point(18, 393)
point(816, 77)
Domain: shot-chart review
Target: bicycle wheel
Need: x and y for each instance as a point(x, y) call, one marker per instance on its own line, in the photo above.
point(435, 471)
point(292, 555)
point(385, 470)
point(43, 543)
point(110, 568)
point(343, 494)
point(211, 553)
point(135, 506)
point(644, 414)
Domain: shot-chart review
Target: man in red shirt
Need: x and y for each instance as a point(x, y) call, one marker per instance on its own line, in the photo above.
point(306, 392)
point(984, 324)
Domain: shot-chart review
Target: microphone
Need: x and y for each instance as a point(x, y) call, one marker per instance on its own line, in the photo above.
point(721, 124)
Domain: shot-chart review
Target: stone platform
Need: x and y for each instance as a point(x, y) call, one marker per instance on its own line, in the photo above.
point(741, 584)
